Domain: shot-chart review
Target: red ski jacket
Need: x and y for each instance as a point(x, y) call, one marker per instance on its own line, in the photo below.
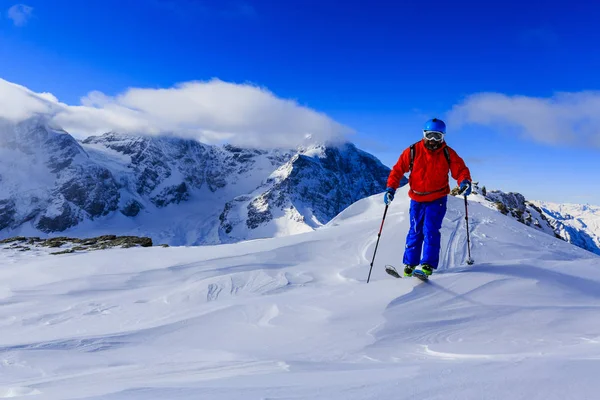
point(429, 177)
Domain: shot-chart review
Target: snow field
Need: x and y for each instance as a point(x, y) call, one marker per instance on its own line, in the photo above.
point(293, 318)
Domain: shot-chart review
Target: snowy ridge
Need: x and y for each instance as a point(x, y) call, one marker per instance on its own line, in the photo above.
point(292, 317)
point(573, 223)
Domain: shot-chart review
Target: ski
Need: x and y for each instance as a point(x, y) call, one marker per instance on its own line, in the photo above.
point(416, 273)
point(392, 271)
point(421, 275)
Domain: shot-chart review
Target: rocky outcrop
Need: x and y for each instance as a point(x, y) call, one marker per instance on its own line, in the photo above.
point(67, 245)
point(172, 195)
point(132, 208)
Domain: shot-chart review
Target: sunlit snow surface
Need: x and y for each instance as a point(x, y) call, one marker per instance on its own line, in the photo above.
point(293, 317)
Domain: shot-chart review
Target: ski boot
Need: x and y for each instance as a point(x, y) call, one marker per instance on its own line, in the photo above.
point(427, 269)
point(408, 271)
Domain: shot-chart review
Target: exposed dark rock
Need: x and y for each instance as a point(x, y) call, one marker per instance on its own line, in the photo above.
point(510, 200)
point(64, 149)
point(13, 239)
point(92, 241)
point(173, 194)
point(59, 241)
point(132, 208)
point(225, 224)
point(501, 207)
point(126, 242)
point(94, 190)
point(7, 213)
point(66, 219)
point(258, 213)
point(77, 244)
point(67, 251)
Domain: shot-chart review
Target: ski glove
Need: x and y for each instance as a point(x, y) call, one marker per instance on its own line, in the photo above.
point(465, 188)
point(389, 195)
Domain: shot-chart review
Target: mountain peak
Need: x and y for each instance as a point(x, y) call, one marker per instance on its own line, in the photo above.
point(305, 193)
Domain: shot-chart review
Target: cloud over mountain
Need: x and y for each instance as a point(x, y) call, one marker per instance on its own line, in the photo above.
point(211, 111)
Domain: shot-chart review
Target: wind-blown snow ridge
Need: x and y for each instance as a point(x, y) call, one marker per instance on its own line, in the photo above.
point(292, 317)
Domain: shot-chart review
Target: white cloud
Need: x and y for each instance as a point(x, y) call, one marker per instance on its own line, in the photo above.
point(563, 119)
point(20, 14)
point(211, 112)
point(18, 103)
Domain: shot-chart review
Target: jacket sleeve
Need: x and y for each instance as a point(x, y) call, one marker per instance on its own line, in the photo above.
point(399, 169)
point(458, 168)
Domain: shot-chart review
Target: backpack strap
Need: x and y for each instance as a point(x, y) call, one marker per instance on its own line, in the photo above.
point(412, 156)
point(447, 154)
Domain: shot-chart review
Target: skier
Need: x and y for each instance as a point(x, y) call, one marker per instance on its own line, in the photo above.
point(428, 162)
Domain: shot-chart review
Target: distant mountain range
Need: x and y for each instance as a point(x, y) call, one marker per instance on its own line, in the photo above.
point(183, 192)
point(177, 191)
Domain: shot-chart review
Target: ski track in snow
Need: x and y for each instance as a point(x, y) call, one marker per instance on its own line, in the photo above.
point(292, 317)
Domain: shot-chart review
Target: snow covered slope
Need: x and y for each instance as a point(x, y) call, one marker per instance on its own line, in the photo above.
point(574, 223)
point(176, 191)
point(292, 317)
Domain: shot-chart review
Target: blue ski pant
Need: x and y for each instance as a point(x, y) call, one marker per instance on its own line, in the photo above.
point(424, 234)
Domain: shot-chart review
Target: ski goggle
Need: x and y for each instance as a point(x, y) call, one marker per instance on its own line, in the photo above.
point(433, 135)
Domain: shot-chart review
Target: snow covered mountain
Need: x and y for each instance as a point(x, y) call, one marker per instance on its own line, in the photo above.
point(173, 190)
point(292, 317)
point(179, 191)
point(576, 224)
point(310, 189)
point(48, 179)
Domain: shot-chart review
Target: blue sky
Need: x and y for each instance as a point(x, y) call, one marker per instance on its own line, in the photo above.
point(379, 67)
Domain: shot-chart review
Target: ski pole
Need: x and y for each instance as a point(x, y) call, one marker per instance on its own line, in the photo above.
point(377, 244)
point(469, 260)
